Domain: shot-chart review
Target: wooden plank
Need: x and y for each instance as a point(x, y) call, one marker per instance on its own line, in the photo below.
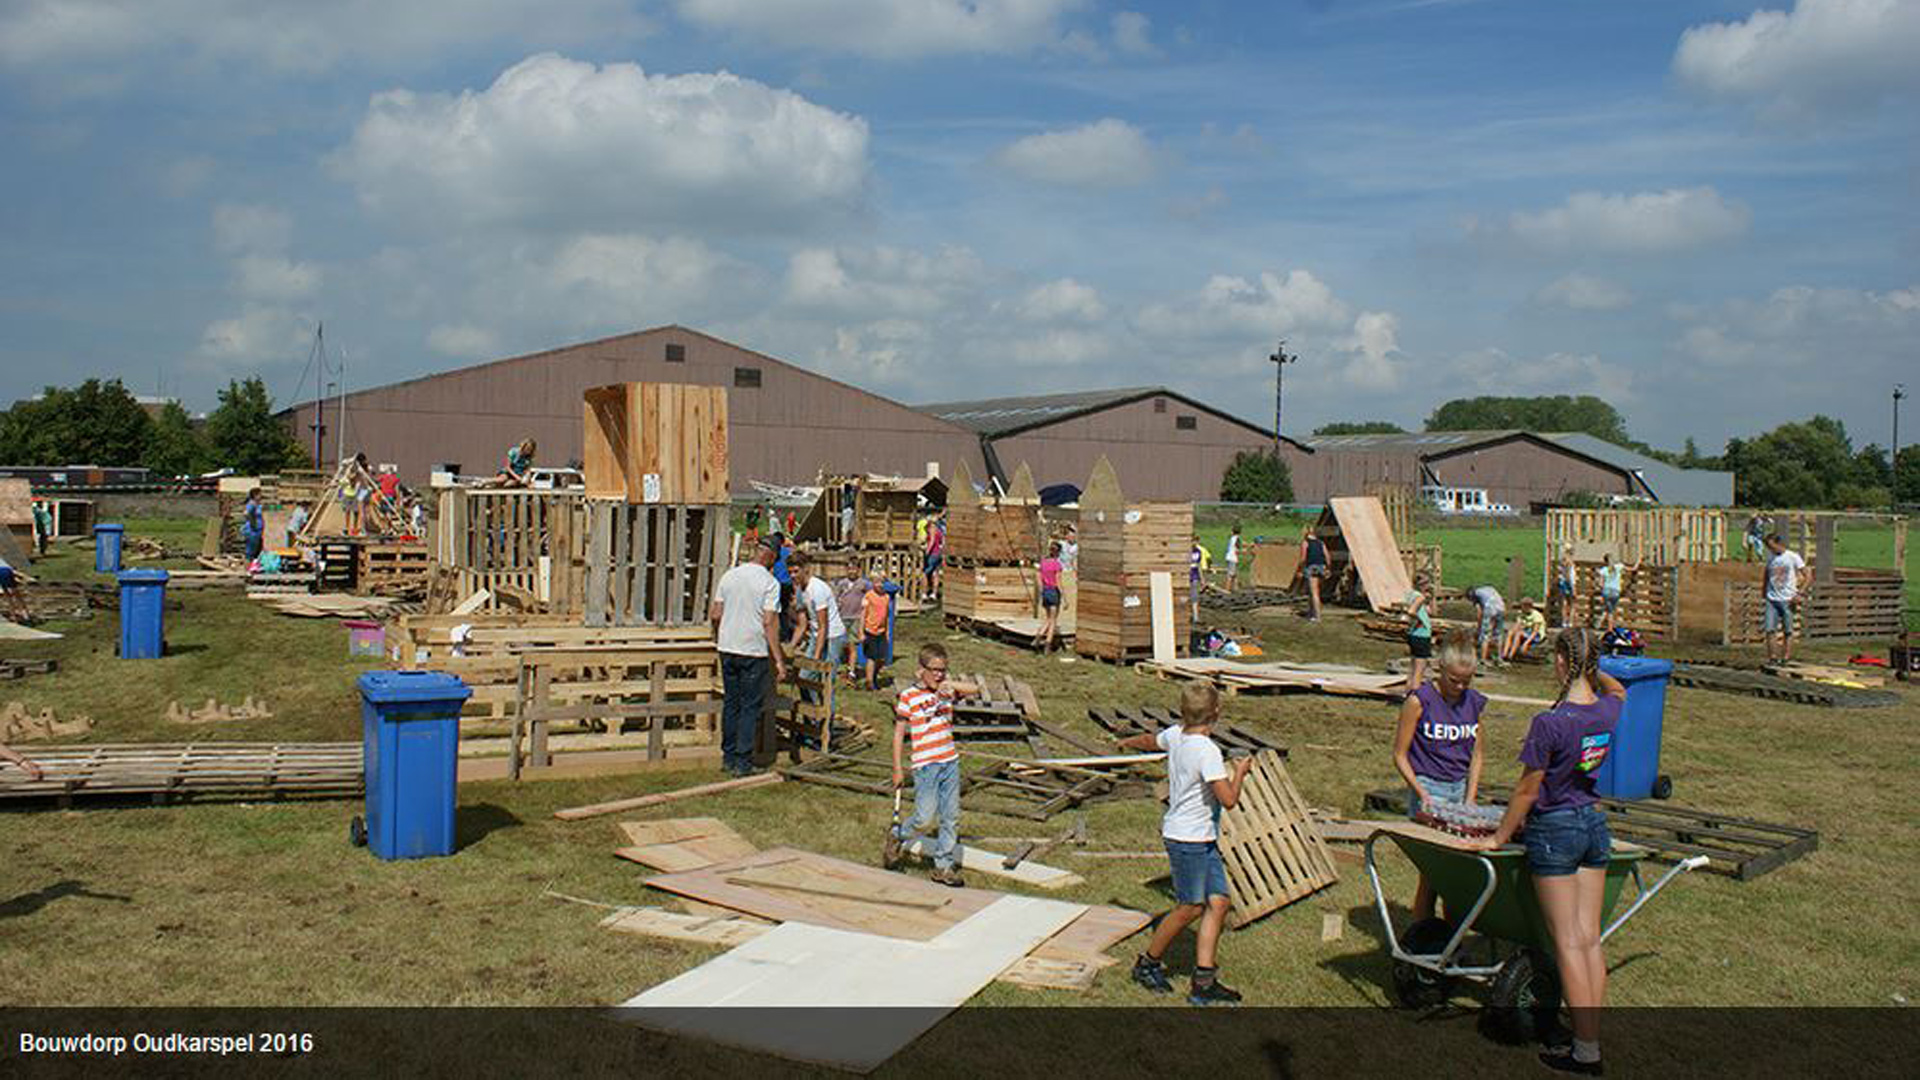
point(577, 813)
point(1161, 590)
point(1370, 544)
point(677, 926)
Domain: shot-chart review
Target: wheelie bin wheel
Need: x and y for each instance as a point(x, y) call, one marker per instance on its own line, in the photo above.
point(1663, 787)
point(1416, 987)
point(357, 832)
point(1524, 1002)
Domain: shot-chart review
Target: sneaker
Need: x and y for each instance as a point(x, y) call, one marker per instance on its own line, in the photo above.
point(1564, 1061)
point(1214, 993)
point(949, 877)
point(1152, 974)
point(893, 854)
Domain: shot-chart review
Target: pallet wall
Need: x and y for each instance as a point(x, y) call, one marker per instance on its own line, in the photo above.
point(529, 542)
point(657, 443)
point(1121, 545)
point(1855, 604)
point(652, 565)
point(1649, 599)
point(990, 593)
point(1663, 536)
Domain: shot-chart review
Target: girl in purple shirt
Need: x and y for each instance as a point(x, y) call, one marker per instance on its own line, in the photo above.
point(1437, 744)
point(1566, 834)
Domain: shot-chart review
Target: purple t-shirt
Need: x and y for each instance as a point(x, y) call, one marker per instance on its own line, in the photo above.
point(1443, 737)
point(1568, 742)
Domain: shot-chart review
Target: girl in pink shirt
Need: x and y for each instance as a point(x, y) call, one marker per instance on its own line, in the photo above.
point(1049, 599)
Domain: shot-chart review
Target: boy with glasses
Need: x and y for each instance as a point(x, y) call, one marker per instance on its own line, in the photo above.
point(923, 715)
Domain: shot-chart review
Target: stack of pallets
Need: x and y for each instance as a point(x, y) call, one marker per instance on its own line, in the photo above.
point(1122, 545)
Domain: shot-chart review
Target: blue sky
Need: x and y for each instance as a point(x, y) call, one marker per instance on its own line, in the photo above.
point(1703, 211)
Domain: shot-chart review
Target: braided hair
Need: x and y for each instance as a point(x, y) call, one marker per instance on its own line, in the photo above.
point(1576, 646)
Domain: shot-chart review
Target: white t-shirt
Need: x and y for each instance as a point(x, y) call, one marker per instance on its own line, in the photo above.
point(1193, 763)
point(1069, 554)
point(820, 595)
point(1233, 548)
point(744, 593)
point(1783, 575)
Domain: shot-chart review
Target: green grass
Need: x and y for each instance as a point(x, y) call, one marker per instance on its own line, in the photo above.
point(265, 903)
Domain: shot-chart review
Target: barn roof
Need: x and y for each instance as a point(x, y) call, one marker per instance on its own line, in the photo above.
point(1000, 417)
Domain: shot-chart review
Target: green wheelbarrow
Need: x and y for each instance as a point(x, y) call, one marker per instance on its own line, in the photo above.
point(1492, 895)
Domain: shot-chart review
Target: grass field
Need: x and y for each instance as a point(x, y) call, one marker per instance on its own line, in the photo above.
point(241, 903)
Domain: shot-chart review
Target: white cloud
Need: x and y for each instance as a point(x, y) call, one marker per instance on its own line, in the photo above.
point(1065, 299)
point(1062, 347)
point(1130, 34)
point(300, 36)
point(274, 279)
point(1839, 333)
point(1583, 292)
point(1105, 154)
point(1371, 349)
point(1823, 56)
point(884, 351)
point(562, 144)
point(881, 281)
point(1493, 371)
point(1229, 306)
point(1649, 222)
point(464, 341)
point(259, 336)
point(240, 228)
point(890, 29)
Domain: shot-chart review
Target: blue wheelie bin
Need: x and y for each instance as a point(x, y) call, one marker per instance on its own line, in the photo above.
point(106, 548)
point(143, 614)
point(1632, 769)
point(410, 723)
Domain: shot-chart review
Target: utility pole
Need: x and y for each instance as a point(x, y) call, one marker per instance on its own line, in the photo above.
point(1280, 361)
point(319, 399)
point(1893, 472)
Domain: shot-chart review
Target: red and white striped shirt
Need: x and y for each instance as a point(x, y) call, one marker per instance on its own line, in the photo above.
point(928, 715)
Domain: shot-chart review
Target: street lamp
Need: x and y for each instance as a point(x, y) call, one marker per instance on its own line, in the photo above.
point(1280, 361)
point(1893, 460)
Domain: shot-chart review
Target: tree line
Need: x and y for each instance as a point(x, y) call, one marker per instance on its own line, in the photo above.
point(1811, 463)
point(100, 423)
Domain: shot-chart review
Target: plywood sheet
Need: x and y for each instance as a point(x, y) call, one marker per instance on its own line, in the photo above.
point(993, 864)
point(1371, 545)
point(795, 968)
point(678, 926)
point(729, 885)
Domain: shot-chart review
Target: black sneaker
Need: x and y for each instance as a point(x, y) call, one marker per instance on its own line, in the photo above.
point(1152, 974)
point(1564, 1061)
point(1213, 993)
point(893, 853)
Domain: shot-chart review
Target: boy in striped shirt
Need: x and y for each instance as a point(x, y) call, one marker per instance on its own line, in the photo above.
point(923, 715)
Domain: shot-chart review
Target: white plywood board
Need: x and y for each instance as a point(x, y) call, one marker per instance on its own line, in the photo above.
point(992, 863)
point(1160, 589)
point(795, 968)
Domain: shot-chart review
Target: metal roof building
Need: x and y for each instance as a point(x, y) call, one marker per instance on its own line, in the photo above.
point(1515, 467)
point(1162, 443)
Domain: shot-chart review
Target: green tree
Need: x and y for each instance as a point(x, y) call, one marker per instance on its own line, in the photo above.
point(1257, 476)
point(1906, 475)
point(176, 449)
point(1795, 465)
point(1540, 414)
point(243, 435)
point(1360, 427)
point(95, 423)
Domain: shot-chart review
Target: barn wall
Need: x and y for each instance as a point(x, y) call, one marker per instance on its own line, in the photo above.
point(1152, 456)
point(1334, 472)
point(782, 432)
point(1520, 472)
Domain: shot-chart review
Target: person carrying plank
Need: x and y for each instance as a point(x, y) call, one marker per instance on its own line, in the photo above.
point(1199, 785)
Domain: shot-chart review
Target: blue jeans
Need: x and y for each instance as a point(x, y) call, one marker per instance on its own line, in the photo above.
point(252, 540)
point(1198, 870)
point(936, 801)
point(1441, 790)
point(1560, 842)
point(1778, 616)
point(743, 683)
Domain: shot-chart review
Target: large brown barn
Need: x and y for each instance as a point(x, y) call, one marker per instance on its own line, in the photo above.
point(786, 423)
point(1163, 444)
point(1518, 468)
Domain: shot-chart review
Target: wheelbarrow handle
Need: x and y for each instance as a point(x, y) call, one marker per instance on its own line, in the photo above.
point(1681, 867)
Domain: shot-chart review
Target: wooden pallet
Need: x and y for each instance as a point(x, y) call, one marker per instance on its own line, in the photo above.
point(1851, 607)
point(1037, 791)
point(339, 564)
point(652, 565)
point(1273, 851)
point(1233, 677)
point(1737, 847)
point(656, 443)
point(20, 669)
point(163, 770)
point(1125, 722)
point(1018, 632)
point(654, 688)
point(513, 541)
point(869, 776)
point(386, 564)
point(1760, 684)
point(1122, 545)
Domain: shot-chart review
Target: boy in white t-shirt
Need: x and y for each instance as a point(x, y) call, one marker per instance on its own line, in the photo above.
point(1783, 578)
point(1199, 785)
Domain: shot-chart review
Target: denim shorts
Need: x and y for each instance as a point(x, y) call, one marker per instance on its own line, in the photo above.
point(1779, 616)
point(1441, 790)
point(1562, 841)
point(1420, 646)
point(1049, 598)
point(1316, 570)
point(1198, 870)
point(1609, 599)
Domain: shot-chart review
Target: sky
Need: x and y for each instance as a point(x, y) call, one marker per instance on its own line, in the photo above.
point(1704, 212)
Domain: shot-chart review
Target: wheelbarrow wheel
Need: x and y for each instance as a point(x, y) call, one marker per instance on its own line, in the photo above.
point(1524, 1002)
point(1416, 987)
point(357, 832)
point(1663, 787)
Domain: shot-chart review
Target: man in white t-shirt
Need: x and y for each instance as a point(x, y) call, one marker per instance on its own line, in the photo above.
point(1199, 786)
point(746, 619)
point(1783, 579)
point(823, 630)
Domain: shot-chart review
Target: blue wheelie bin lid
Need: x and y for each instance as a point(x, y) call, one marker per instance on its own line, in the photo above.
point(409, 687)
point(143, 577)
point(105, 527)
point(1629, 669)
